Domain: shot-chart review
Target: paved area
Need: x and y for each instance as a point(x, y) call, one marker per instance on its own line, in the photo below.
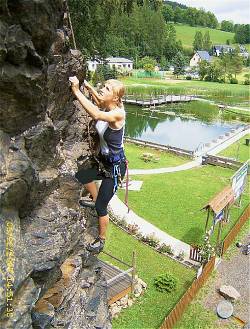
point(234, 272)
point(185, 166)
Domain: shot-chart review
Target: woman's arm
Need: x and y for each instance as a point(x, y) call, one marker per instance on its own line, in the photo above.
point(92, 109)
point(93, 93)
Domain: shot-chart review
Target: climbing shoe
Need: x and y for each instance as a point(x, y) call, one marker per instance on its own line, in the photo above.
point(86, 202)
point(96, 246)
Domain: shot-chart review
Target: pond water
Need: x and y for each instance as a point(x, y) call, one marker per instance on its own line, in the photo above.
point(185, 126)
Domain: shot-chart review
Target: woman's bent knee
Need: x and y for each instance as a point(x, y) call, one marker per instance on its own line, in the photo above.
point(101, 209)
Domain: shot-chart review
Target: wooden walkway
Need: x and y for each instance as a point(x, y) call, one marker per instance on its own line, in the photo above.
point(119, 282)
point(162, 99)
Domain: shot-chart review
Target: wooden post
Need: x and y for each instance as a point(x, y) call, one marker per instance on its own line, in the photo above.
point(218, 239)
point(208, 213)
point(134, 270)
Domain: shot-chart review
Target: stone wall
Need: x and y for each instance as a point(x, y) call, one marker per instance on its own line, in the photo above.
point(46, 277)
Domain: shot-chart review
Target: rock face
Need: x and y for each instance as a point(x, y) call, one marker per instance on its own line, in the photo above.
point(42, 132)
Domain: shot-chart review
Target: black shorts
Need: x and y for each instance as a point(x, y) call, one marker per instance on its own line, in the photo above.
point(106, 190)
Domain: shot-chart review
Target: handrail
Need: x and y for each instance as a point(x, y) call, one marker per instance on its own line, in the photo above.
point(119, 275)
point(108, 254)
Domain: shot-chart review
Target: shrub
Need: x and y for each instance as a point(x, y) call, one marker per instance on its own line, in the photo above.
point(247, 82)
point(149, 157)
point(181, 255)
point(122, 223)
point(188, 77)
point(132, 228)
point(166, 249)
point(207, 78)
point(151, 239)
point(165, 282)
point(233, 81)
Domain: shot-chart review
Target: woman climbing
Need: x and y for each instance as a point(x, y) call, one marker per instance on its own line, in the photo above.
point(108, 111)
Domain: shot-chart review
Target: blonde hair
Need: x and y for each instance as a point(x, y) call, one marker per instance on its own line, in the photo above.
point(118, 89)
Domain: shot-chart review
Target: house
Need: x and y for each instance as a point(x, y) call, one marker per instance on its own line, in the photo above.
point(120, 63)
point(243, 52)
point(200, 55)
point(219, 49)
point(92, 65)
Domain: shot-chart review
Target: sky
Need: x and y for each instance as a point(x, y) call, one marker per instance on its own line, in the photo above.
point(236, 10)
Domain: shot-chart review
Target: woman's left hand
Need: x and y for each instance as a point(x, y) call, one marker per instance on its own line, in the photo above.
point(74, 84)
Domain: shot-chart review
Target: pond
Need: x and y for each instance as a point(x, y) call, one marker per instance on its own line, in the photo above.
point(185, 125)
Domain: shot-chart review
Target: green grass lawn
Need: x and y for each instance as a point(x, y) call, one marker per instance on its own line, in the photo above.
point(150, 309)
point(218, 92)
point(239, 150)
point(186, 34)
point(134, 153)
point(173, 201)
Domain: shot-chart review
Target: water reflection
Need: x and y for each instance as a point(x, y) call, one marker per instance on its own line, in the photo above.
point(179, 126)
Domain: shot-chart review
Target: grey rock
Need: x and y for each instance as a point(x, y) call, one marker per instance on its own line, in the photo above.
point(229, 292)
point(43, 130)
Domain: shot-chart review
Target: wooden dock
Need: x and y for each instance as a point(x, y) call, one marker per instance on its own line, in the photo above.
point(162, 99)
point(119, 282)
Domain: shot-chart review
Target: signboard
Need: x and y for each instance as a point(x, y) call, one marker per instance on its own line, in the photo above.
point(239, 180)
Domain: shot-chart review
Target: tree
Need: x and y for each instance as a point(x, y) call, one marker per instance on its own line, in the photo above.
point(168, 13)
point(211, 20)
point(147, 63)
point(164, 64)
point(198, 41)
point(201, 18)
point(191, 16)
point(215, 73)
point(92, 22)
point(171, 46)
point(236, 62)
point(178, 15)
point(179, 63)
point(225, 63)
point(227, 26)
point(206, 41)
point(203, 69)
point(242, 33)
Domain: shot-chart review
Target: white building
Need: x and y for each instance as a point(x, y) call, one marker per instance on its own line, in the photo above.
point(120, 63)
point(200, 55)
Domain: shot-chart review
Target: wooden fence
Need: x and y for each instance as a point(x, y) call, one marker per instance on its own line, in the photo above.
point(234, 231)
point(221, 161)
point(180, 307)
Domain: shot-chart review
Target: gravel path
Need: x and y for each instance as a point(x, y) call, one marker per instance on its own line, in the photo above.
point(234, 272)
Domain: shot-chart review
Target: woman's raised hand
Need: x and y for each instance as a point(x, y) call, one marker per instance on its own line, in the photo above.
point(87, 85)
point(74, 84)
